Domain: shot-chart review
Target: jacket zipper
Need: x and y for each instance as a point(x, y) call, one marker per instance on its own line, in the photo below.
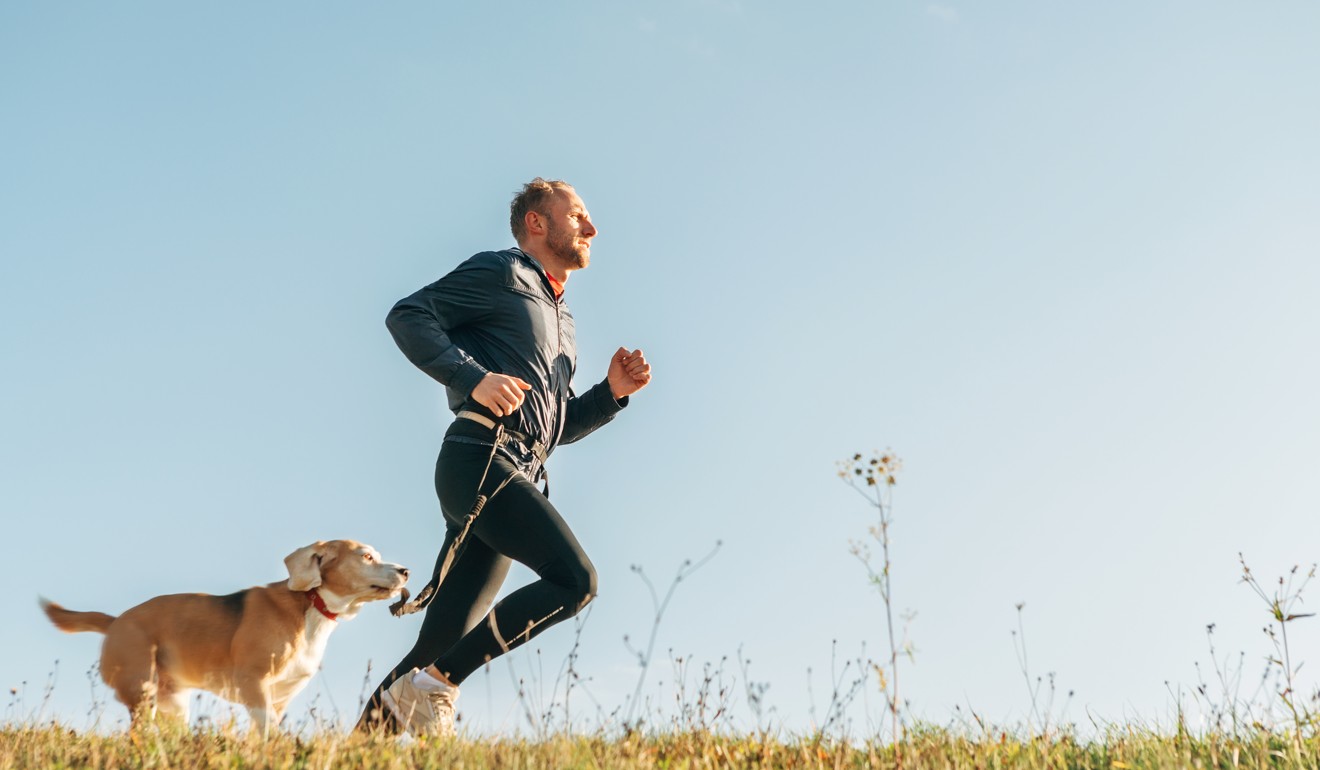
point(556, 426)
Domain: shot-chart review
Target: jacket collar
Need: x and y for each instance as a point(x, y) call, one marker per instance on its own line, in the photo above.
point(549, 282)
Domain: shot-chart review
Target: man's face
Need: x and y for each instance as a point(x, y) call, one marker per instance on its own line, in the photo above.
point(569, 230)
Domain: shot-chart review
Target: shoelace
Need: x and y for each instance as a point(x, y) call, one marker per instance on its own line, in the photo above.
point(445, 697)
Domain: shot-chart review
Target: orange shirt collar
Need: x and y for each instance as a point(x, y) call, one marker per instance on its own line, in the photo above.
point(556, 285)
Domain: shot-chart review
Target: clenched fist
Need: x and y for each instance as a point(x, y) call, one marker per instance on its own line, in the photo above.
point(629, 372)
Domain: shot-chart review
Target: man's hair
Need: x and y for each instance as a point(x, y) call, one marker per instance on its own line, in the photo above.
point(534, 196)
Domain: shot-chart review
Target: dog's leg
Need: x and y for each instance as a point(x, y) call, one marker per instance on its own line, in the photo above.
point(263, 720)
point(256, 696)
point(173, 704)
point(128, 666)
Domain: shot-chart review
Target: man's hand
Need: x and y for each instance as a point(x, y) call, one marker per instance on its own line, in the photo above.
point(628, 373)
point(500, 393)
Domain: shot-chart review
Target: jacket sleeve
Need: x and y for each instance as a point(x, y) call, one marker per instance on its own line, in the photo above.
point(589, 411)
point(421, 323)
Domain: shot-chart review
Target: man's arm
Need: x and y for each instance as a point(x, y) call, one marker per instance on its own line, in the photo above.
point(629, 372)
point(421, 322)
point(589, 411)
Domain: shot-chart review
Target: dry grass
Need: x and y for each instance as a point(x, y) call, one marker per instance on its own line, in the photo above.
point(52, 746)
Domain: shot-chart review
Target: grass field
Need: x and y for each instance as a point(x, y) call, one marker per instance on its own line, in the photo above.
point(52, 746)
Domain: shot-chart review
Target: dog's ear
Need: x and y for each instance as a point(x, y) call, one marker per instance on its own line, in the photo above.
point(305, 566)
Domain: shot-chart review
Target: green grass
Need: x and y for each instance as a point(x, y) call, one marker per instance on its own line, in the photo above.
point(52, 746)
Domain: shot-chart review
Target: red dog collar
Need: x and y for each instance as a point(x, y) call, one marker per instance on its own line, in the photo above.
point(319, 604)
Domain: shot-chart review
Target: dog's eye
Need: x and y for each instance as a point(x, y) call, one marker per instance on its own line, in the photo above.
point(368, 558)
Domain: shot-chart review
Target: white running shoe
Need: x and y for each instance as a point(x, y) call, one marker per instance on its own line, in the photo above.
point(423, 708)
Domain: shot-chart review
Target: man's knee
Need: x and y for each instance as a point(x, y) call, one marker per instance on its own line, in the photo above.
point(587, 588)
point(578, 579)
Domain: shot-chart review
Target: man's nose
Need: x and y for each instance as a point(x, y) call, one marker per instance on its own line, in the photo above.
point(588, 229)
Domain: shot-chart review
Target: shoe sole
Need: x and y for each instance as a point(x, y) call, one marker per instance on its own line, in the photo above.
point(393, 706)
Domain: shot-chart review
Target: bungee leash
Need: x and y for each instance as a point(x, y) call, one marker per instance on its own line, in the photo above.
point(502, 436)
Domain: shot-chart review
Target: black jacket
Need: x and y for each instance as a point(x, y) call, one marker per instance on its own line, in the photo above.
point(497, 313)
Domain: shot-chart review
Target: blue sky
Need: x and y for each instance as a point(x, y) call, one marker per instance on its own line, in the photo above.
point(1061, 258)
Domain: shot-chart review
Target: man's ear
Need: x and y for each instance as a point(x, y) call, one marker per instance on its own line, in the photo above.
point(305, 566)
point(534, 223)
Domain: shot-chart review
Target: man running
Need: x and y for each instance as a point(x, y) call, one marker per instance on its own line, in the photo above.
point(496, 333)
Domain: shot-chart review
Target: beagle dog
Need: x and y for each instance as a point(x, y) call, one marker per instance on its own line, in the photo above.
point(258, 647)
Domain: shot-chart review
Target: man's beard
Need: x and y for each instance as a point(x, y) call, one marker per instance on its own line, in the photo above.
point(566, 249)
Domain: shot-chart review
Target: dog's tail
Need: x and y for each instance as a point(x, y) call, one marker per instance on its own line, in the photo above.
point(72, 622)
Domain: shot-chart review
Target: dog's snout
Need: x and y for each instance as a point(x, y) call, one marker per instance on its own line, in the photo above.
point(402, 571)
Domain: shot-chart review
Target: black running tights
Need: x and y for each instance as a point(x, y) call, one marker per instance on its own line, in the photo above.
point(460, 631)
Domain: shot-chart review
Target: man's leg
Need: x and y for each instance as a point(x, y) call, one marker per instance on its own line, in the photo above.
point(520, 523)
point(458, 605)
